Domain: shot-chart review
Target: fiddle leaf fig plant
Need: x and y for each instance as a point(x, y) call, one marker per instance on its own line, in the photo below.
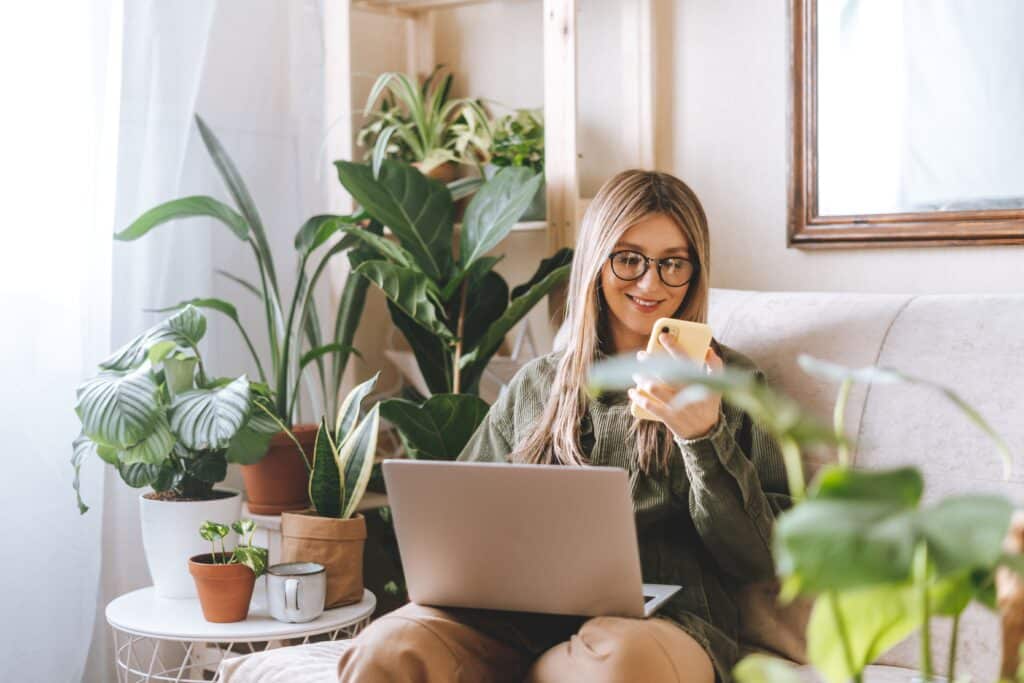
point(878, 563)
point(155, 413)
point(253, 557)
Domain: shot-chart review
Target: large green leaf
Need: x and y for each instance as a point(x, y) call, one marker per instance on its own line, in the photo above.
point(325, 492)
point(154, 449)
point(355, 460)
point(184, 328)
point(440, 428)
point(875, 619)
point(384, 247)
point(562, 257)
point(495, 209)
point(249, 445)
point(487, 303)
point(348, 413)
point(119, 409)
point(417, 209)
point(902, 486)
point(319, 229)
point(350, 311)
point(433, 356)
point(472, 276)
point(474, 362)
point(965, 532)
point(139, 474)
point(210, 466)
point(179, 374)
point(207, 419)
point(407, 289)
point(226, 309)
point(186, 207)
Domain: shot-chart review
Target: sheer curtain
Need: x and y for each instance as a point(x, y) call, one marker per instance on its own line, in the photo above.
point(254, 70)
point(60, 64)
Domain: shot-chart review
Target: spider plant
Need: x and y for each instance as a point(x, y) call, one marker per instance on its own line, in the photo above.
point(420, 124)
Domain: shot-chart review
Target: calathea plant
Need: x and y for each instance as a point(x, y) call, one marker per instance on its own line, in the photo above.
point(445, 297)
point(878, 564)
point(295, 335)
point(156, 414)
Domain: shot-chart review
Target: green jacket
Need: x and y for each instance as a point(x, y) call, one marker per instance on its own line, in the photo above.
point(705, 526)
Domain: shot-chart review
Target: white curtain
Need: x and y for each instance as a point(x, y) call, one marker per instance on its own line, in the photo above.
point(254, 70)
point(60, 66)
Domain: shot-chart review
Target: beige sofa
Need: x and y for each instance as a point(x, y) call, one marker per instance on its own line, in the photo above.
point(974, 343)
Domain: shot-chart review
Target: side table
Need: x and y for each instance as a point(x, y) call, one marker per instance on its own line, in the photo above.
point(162, 639)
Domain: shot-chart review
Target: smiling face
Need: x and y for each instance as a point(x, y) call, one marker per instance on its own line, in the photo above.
point(634, 305)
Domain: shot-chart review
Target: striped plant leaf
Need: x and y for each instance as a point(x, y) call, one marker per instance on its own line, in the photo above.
point(207, 419)
point(355, 460)
point(184, 328)
point(348, 413)
point(119, 409)
point(325, 492)
point(152, 450)
point(139, 474)
point(82, 449)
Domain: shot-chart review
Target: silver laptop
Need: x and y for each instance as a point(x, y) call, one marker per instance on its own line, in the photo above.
point(530, 538)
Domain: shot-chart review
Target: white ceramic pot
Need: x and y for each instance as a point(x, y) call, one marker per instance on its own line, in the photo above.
point(170, 535)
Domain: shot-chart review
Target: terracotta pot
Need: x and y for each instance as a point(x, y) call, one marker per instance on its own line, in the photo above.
point(337, 544)
point(224, 589)
point(280, 480)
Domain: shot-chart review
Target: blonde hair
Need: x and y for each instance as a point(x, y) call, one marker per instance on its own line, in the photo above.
point(622, 202)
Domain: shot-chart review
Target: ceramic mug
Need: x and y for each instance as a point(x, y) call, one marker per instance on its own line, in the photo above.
point(296, 591)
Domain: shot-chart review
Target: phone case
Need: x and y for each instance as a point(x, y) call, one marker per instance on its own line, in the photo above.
point(695, 339)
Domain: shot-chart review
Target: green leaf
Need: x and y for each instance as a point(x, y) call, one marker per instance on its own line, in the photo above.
point(152, 450)
point(407, 289)
point(318, 230)
point(249, 445)
point(82, 448)
point(495, 209)
point(902, 486)
point(881, 375)
point(210, 467)
point(243, 527)
point(326, 349)
point(325, 491)
point(876, 619)
point(965, 532)
point(139, 474)
point(760, 668)
point(417, 209)
point(486, 304)
point(179, 374)
point(464, 187)
point(119, 409)
point(186, 207)
point(476, 360)
point(159, 351)
point(252, 557)
point(355, 460)
point(185, 329)
point(383, 247)
point(348, 413)
point(207, 419)
point(472, 276)
point(562, 257)
point(440, 428)
point(212, 531)
point(432, 354)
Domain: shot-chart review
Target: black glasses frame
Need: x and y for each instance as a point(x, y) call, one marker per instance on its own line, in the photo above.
point(659, 262)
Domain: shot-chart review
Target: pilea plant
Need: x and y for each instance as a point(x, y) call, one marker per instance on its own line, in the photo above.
point(878, 564)
point(253, 557)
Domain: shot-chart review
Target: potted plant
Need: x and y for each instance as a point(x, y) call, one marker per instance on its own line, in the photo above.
point(332, 532)
point(225, 582)
point(274, 470)
point(517, 139)
point(156, 414)
point(876, 563)
point(421, 125)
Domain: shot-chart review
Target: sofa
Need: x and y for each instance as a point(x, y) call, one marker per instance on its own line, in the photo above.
point(973, 343)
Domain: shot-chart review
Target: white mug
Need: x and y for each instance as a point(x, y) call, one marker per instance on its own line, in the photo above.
point(296, 591)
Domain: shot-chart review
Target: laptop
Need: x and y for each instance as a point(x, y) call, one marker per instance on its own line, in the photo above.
point(527, 538)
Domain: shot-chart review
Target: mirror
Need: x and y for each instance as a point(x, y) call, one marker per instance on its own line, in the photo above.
point(907, 123)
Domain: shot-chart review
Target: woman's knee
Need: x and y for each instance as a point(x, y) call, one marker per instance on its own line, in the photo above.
point(399, 646)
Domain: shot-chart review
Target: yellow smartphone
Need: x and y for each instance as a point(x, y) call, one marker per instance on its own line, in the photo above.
point(695, 338)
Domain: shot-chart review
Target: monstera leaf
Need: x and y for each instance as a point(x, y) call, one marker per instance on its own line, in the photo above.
point(440, 428)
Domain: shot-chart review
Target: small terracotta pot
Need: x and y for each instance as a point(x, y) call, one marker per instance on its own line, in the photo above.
point(224, 589)
point(280, 480)
point(337, 544)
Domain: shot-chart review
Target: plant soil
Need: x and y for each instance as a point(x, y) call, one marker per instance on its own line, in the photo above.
point(172, 497)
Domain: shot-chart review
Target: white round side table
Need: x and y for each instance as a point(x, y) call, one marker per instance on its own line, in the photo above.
point(163, 639)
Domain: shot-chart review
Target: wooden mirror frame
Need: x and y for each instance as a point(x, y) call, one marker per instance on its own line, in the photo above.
point(808, 230)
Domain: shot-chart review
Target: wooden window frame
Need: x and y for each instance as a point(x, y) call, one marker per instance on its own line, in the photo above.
point(809, 230)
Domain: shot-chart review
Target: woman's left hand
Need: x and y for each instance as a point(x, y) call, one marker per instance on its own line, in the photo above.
point(689, 421)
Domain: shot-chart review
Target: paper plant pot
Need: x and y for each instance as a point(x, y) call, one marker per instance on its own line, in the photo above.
point(280, 480)
point(337, 544)
point(224, 589)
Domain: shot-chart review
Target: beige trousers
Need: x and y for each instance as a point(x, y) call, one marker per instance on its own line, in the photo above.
point(426, 645)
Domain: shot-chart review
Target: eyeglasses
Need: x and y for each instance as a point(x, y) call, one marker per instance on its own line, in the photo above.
point(674, 271)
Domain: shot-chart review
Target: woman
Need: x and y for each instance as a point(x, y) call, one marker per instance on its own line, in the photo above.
point(706, 482)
